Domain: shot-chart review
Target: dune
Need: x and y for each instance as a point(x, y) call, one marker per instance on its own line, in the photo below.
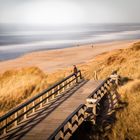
point(24, 77)
point(127, 62)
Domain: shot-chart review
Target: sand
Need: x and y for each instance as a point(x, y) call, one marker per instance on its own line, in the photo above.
point(53, 60)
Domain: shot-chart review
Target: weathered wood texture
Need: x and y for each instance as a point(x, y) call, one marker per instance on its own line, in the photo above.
point(72, 122)
point(47, 126)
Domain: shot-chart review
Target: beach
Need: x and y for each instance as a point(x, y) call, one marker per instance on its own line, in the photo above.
point(70, 69)
point(53, 60)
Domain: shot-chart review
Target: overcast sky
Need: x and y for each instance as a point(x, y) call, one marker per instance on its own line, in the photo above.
point(69, 11)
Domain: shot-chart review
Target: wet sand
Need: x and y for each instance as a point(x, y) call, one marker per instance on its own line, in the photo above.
point(52, 60)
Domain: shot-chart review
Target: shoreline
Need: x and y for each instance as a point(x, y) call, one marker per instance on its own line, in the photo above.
point(17, 55)
point(53, 60)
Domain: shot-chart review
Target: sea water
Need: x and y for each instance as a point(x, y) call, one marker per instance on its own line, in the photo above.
point(16, 40)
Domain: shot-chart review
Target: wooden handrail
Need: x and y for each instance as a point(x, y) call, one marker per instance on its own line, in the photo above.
point(99, 87)
point(33, 99)
point(69, 120)
point(106, 81)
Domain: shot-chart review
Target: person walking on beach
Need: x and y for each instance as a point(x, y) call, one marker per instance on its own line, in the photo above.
point(75, 71)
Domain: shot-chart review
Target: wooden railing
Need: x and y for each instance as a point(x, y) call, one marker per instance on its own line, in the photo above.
point(68, 127)
point(105, 87)
point(23, 111)
point(101, 89)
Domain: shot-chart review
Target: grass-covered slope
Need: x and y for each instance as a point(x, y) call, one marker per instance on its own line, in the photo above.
point(127, 61)
point(16, 86)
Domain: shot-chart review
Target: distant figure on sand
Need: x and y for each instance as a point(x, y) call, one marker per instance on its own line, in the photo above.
point(75, 71)
point(92, 46)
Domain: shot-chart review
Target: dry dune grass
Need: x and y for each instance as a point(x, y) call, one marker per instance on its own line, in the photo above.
point(127, 126)
point(127, 61)
point(16, 86)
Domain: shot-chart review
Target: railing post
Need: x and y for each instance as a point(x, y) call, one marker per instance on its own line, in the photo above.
point(70, 82)
point(16, 122)
point(41, 104)
point(62, 133)
point(107, 86)
point(82, 112)
point(102, 88)
point(63, 89)
point(58, 87)
point(94, 113)
point(85, 114)
point(47, 94)
point(94, 109)
point(25, 115)
point(5, 129)
point(95, 75)
point(33, 106)
point(53, 94)
point(99, 93)
point(67, 84)
point(70, 127)
point(77, 118)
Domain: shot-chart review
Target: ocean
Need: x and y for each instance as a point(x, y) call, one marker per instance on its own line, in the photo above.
point(17, 40)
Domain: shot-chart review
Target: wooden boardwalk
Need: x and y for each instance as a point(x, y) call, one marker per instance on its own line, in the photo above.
point(47, 126)
point(60, 109)
point(57, 112)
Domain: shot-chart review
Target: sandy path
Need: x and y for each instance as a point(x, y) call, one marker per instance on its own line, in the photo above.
point(58, 59)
